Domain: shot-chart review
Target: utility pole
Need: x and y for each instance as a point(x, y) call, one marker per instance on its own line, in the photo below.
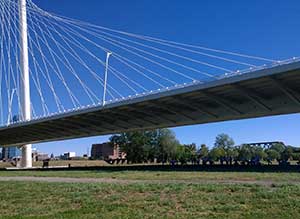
point(105, 77)
point(25, 82)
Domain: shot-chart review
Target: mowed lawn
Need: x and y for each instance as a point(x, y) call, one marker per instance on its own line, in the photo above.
point(147, 197)
point(189, 176)
point(59, 200)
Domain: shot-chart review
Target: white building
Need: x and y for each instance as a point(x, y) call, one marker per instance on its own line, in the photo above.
point(69, 155)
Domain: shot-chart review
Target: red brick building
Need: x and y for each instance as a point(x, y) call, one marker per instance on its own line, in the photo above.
point(106, 151)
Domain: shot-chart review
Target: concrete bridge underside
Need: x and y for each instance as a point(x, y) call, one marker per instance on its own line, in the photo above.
point(267, 92)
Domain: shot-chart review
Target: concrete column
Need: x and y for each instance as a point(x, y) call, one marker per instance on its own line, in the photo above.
point(25, 81)
point(26, 161)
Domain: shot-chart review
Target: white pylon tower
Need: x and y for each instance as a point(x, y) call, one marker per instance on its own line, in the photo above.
point(26, 161)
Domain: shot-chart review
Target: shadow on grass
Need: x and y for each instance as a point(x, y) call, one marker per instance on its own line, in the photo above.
point(178, 168)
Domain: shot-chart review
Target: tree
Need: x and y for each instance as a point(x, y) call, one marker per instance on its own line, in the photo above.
point(258, 152)
point(279, 147)
point(143, 146)
point(226, 143)
point(272, 154)
point(190, 151)
point(181, 154)
point(216, 153)
point(245, 152)
point(296, 156)
point(151, 149)
point(287, 153)
point(283, 152)
point(235, 153)
point(167, 144)
point(203, 152)
point(133, 144)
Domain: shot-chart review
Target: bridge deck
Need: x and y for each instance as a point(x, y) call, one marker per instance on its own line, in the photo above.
point(267, 92)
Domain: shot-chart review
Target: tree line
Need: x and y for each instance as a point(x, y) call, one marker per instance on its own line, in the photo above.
point(162, 146)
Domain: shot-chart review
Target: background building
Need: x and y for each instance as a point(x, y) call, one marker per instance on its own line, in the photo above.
point(68, 155)
point(10, 152)
point(37, 156)
point(106, 151)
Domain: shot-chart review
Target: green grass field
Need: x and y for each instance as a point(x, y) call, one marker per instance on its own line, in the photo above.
point(161, 175)
point(147, 197)
point(45, 200)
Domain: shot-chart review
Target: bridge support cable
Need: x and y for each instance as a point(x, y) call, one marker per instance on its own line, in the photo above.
point(74, 100)
point(251, 65)
point(70, 31)
point(152, 39)
point(74, 54)
point(116, 55)
point(16, 32)
point(69, 71)
point(116, 72)
point(2, 64)
point(170, 43)
point(52, 67)
point(13, 49)
point(48, 78)
point(223, 69)
point(128, 49)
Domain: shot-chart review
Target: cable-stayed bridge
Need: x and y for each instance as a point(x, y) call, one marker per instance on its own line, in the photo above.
point(84, 80)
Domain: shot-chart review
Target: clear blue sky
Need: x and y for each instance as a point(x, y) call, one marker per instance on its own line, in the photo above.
point(265, 28)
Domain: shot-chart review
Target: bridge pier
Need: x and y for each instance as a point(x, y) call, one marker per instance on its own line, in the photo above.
point(26, 161)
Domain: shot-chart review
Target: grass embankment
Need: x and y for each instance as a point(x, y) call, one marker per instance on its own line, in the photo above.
point(59, 200)
point(162, 175)
point(91, 163)
point(73, 163)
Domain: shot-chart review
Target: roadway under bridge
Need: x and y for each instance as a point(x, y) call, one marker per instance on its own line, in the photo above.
point(267, 92)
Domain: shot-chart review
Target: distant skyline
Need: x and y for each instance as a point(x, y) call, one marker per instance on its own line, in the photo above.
point(256, 27)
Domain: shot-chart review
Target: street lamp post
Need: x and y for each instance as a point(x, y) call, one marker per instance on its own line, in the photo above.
point(105, 77)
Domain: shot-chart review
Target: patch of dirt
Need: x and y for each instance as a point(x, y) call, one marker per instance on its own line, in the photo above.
point(269, 183)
